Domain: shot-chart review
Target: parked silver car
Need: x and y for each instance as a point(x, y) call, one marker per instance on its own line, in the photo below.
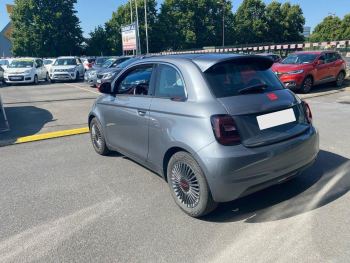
point(217, 127)
point(67, 68)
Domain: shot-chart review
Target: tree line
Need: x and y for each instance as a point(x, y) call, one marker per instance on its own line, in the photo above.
point(188, 24)
point(47, 28)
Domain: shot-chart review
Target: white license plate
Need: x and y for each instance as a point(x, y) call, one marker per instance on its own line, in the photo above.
point(276, 119)
point(16, 78)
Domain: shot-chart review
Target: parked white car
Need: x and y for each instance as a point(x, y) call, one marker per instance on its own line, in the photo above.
point(67, 68)
point(25, 70)
point(4, 62)
point(1, 74)
point(48, 62)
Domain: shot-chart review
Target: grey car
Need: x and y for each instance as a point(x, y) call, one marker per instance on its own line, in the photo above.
point(216, 126)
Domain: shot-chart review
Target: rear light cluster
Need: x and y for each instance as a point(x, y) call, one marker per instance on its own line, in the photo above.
point(307, 111)
point(225, 130)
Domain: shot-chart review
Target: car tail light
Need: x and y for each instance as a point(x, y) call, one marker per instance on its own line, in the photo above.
point(307, 111)
point(225, 130)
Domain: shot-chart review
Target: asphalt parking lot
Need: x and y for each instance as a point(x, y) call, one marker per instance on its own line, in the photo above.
point(61, 202)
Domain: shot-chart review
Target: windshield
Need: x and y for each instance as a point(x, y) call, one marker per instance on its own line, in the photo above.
point(21, 64)
point(100, 61)
point(299, 59)
point(108, 63)
point(127, 62)
point(48, 62)
point(229, 79)
point(66, 62)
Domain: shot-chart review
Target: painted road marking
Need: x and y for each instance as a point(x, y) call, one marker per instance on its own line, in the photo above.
point(52, 135)
point(78, 87)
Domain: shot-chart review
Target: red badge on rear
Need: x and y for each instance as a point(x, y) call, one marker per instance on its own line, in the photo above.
point(272, 96)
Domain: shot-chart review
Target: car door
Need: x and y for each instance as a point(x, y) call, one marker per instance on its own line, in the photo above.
point(127, 113)
point(322, 69)
point(169, 106)
point(42, 69)
point(80, 67)
point(37, 68)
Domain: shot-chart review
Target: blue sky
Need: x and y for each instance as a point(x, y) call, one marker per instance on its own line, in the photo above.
point(96, 12)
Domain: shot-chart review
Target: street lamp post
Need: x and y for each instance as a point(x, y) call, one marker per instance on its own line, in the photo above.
point(146, 27)
point(138, 30)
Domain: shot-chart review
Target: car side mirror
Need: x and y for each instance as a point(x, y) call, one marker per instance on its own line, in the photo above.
point(105, 88)
point(320, 62)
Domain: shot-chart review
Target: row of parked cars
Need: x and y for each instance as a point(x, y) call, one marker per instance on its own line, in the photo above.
point(33, 70)
point(299, 71)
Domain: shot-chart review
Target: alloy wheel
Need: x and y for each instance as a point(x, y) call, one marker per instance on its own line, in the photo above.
point(185, 184)
point(340, 79)
point(96, 136)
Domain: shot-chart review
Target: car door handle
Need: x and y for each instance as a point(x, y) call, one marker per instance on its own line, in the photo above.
point(141, 113)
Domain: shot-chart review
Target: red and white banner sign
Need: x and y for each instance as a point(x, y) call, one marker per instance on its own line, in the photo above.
point(129, 38)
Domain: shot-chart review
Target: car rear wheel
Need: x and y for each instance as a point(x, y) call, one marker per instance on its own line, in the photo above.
point(188, 185)
point(340, 79)
point(97, 138)
point(307, 84)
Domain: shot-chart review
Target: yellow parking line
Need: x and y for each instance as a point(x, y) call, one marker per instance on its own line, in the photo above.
point(78, 87)
point(52, 135)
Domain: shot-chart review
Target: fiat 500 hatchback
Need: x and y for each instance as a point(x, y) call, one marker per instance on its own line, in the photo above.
point(216, 126)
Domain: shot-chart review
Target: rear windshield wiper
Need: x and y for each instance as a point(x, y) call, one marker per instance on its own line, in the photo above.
point(253, 89)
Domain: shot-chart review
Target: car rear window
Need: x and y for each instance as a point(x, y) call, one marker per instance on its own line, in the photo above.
point(230, 78)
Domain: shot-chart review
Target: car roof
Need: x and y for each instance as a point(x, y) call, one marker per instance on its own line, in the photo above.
point(69, 57)
point(309, 52)
point(206, 61)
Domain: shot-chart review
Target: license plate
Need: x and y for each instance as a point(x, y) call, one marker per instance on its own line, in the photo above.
point(16, 78)
point(276, 119)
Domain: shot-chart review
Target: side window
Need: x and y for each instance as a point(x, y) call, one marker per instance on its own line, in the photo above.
point(169, 83)
point(323, 57)
point(330, 57)
point(136, 82)
point(40, 62)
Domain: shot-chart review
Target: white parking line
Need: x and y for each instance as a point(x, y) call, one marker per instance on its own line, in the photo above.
point(78, 87)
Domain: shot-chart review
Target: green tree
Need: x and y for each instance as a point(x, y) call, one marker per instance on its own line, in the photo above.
point(329, 29)
point(122, 17)
point(45, 28)
point(275, 22)
point(293, 23)
point(97, 43)
point(344, 30)
point(251, 22)
point(185, 24)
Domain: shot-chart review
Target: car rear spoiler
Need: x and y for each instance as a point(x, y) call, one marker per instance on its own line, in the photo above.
point(205, 63)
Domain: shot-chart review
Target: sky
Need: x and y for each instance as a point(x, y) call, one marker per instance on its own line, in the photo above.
point(96, 12)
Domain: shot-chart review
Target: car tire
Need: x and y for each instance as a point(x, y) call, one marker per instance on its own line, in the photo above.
point(97, 137)
point(189, 186)
point(47, 77)
point(36, 80)
point(307, 84)
point(340, 79)
point(77, 76)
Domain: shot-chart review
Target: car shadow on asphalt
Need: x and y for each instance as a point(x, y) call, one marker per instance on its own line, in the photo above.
point(327, 87)
point(327, 180)
point(24, 121)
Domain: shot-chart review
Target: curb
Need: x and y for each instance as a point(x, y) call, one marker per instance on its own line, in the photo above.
point(47, 136)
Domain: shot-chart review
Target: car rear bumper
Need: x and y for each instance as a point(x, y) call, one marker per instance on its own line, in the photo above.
point(235, 171)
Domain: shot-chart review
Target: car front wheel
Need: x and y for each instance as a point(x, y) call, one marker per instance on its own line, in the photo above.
point(340, 79)
point(36, 80)
point(188, 185)
point(307, 84)
point(97, 138)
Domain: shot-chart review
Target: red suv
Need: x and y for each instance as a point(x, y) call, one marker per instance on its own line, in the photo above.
point(302, 70)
